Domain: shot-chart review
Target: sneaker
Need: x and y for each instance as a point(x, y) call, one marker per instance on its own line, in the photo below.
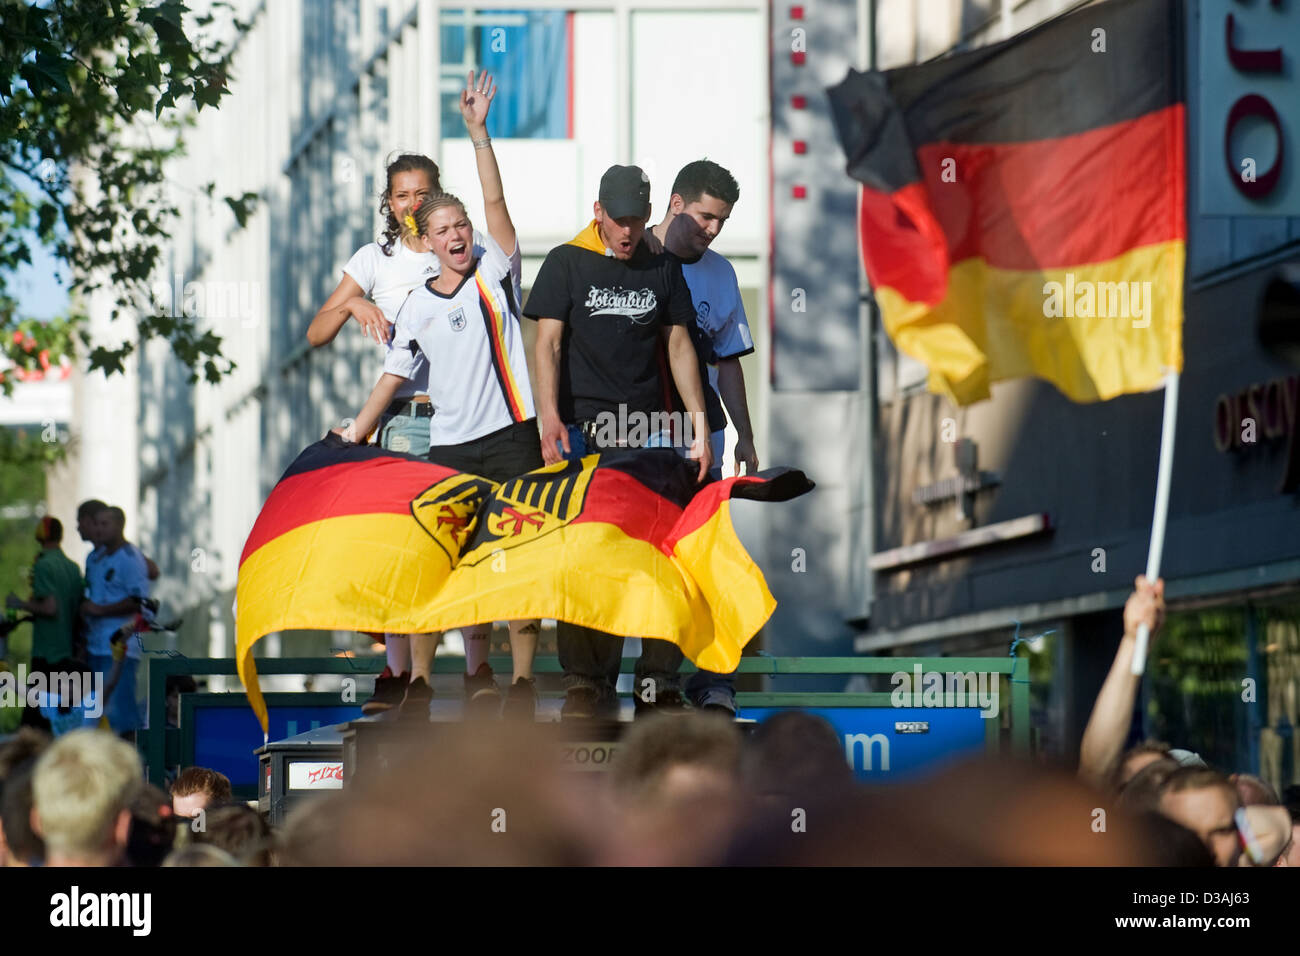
point(415, 705)
point(521, 700)
point(721, 709)
point(607, 704)
point(717, 701)
point(668, 700)
point(389, 691)
point(482, 695)
point(579, 703)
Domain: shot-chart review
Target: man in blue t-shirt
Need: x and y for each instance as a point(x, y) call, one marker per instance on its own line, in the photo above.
point(116, 576)
point(703, 196)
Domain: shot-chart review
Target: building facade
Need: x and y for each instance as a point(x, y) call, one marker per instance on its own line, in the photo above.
point(323, 94)
point(1065, 492)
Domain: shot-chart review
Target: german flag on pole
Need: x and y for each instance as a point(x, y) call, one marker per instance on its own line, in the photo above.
point(360, 539)
point(1022, 208)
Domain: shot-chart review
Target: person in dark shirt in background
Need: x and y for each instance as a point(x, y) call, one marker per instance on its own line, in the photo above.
point(56, 595)
point(603, 305)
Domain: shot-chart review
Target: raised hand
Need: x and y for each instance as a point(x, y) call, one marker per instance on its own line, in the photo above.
point(1146, 605)
point(475, 99)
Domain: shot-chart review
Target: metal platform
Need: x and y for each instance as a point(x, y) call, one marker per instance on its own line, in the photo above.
point(298, 766)
point(882, 739)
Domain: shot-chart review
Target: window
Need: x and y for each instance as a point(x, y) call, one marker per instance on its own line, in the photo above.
point(1225, 681)
point(530, 52)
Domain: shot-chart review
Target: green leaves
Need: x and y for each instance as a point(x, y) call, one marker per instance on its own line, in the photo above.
point(242, 207)
point(50, 69)
point(79, 81)
point(165, 19)
point(46, 215)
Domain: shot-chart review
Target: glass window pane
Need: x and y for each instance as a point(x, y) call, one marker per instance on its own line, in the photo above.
point(529, 54)
point(1194, 695)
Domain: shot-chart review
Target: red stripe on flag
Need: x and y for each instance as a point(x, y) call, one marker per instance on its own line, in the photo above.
point(1048, 204)
point(615, 497)
point(1062, 202)
point(704, 506)
point(378, 486)
point(903, 246)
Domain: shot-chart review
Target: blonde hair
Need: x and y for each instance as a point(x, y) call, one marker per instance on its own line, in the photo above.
point(418, 222)
point(81, 784)
point(200, 854)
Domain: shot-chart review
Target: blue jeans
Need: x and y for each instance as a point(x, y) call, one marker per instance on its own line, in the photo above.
point(704, 688)
point(578, 443)
point(122, 709)
point(404, 433)
point(591, 658)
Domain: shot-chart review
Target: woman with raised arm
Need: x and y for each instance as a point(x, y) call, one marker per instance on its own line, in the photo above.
point(461, 330)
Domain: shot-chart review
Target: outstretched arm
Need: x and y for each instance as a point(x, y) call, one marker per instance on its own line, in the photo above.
point(380, 398)
point(37, 606)
point(1103, 740)
point(475, 100)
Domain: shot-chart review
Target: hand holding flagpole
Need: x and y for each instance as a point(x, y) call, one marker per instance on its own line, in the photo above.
point(1161, 509)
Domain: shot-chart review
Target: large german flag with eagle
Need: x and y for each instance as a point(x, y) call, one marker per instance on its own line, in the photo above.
point(354, 537)
point(1022, 208)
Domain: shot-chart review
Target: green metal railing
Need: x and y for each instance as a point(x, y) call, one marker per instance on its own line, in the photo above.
point(160, 746)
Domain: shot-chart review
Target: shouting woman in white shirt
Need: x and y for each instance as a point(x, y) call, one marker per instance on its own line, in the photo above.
point(461, 329)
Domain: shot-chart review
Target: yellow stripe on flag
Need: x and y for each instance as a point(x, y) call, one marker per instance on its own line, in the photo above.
point(731, 584)
point(583, 543)
point(993, 325)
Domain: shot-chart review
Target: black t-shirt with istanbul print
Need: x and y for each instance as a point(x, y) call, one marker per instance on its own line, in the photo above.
point(613, 313)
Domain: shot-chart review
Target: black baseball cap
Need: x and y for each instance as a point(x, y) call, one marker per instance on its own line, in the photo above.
point(625, 191)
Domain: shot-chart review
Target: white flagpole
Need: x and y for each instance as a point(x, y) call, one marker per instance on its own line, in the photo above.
point(1162, 507)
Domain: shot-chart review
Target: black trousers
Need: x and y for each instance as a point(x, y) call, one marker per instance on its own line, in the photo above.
point(591, 658)
point(504, 454)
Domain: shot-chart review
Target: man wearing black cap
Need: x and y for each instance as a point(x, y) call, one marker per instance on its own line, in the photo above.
point(603, 304)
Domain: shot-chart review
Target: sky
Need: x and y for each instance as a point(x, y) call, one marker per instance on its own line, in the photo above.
point(38, 292)
point(36, 286)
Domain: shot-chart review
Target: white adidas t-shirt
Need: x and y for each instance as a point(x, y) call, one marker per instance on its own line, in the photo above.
point(469, 346)
point(387, 280)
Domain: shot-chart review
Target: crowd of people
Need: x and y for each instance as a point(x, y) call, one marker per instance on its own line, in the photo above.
point(83, 641)
point(682, 790)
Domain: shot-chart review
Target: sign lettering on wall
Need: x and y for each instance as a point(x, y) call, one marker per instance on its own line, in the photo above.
point(1264, 412)
point(1249, 108)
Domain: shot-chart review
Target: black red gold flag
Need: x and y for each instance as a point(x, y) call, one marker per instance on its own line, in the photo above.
point(358, 538)
point(1023, 204)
